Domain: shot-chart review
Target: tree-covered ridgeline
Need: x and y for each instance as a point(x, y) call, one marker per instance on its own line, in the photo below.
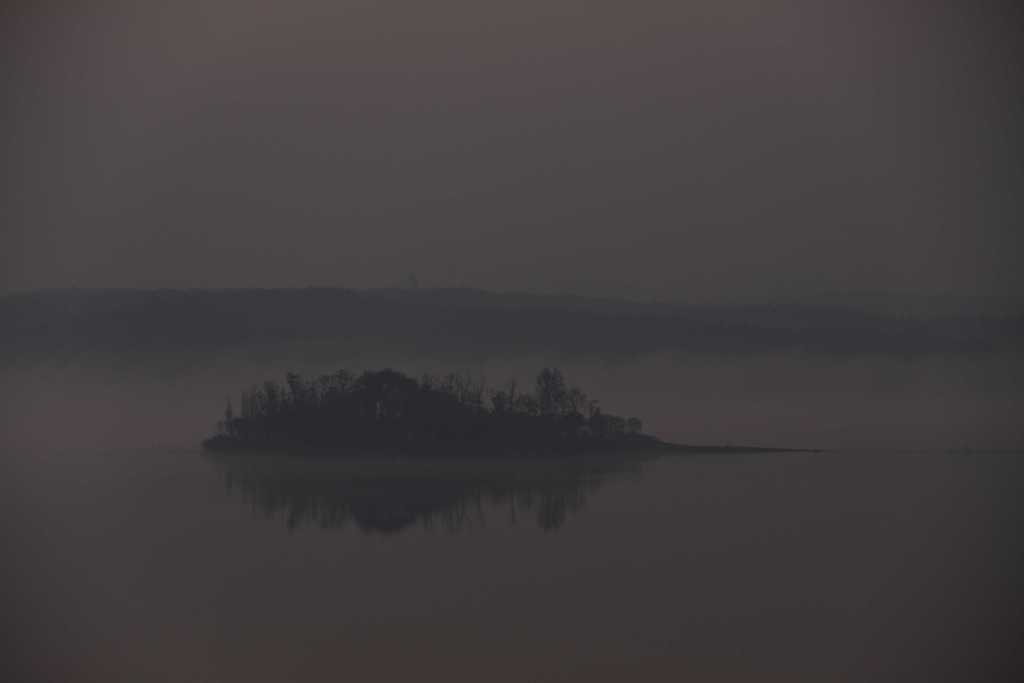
point(388, 409)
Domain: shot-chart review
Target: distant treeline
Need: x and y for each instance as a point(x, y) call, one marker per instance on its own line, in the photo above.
point(388, 409)
point(73, 321)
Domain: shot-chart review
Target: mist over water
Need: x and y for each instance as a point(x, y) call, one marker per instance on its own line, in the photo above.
point(783, 224)
point(144, 563)
point(892, 556)
point(135, 557)
point(867, 401)
point(126, 365)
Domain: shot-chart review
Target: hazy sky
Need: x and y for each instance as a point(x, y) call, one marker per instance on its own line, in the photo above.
point(688, 150)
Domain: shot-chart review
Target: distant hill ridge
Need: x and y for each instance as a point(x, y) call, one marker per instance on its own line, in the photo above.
point(468, 319)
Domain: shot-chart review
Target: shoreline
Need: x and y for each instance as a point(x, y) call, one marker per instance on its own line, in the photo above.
point(227, 444)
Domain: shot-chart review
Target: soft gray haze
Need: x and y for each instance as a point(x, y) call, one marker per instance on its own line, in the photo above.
point(681, 150)
point(775, 223)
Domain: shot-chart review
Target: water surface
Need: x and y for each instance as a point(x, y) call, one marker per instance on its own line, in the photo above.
point(167, 565)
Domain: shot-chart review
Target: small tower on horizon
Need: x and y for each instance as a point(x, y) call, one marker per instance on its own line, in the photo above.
point(412, 282)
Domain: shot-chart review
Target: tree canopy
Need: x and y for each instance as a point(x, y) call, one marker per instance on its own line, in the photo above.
point(386, 408)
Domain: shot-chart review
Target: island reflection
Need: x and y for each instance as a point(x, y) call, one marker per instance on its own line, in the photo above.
point(395, 494)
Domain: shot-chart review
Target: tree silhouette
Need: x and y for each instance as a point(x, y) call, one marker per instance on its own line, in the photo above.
point(551, 391)
point(388, 409)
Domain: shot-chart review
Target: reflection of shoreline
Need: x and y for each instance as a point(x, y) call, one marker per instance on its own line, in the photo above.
point(392, 495)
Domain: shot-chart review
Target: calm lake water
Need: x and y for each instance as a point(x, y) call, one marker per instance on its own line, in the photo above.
point(167, 565)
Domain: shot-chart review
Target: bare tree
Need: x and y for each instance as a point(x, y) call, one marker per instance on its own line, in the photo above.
point(551, 391)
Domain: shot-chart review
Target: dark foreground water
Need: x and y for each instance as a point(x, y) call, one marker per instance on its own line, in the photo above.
point(167, 565)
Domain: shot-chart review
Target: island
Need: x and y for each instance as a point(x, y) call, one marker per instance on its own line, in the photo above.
point(387, 411)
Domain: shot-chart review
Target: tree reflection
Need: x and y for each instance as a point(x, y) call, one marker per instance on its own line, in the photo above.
point(390, 496)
